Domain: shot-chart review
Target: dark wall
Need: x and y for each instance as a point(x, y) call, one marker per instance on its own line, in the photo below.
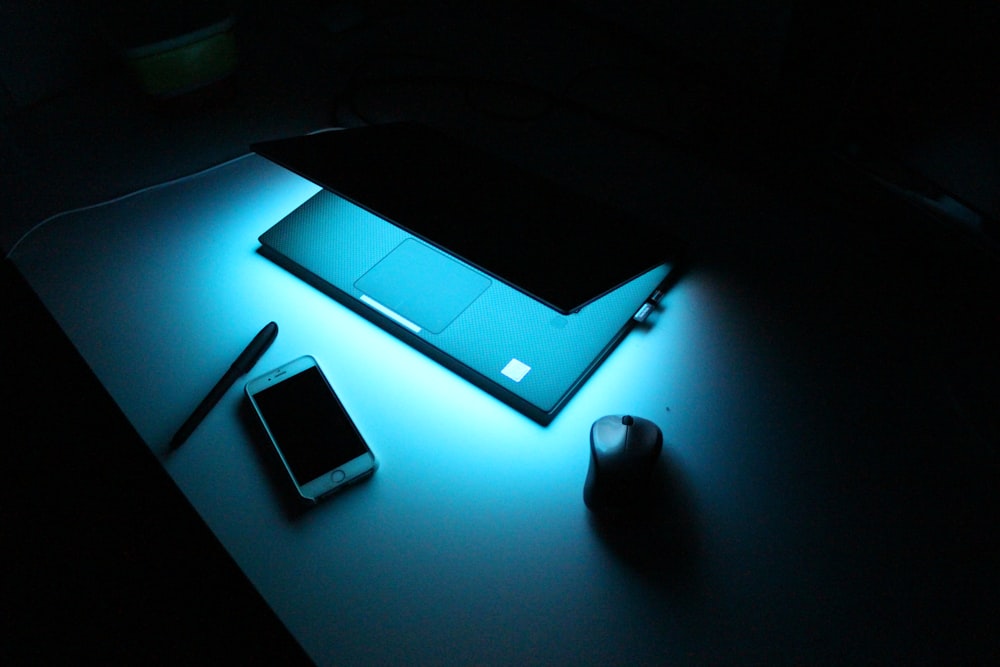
point(892, 65)
point(45, 46)
point(844, 62)
point(838, 66)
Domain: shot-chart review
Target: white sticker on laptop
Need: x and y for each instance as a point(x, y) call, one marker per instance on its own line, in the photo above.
point(516, 370)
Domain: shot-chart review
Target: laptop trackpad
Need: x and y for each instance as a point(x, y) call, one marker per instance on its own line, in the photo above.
point(421, 285)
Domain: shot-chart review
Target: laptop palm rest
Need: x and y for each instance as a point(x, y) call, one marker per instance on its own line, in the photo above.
point(420, 287)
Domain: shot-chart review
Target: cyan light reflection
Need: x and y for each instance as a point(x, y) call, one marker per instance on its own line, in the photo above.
point(189, 290)
point(149, 286)
point(172, 287)
point(162, 290)
point(193, 290)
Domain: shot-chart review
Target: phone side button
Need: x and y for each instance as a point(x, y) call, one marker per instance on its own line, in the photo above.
point(337, 476)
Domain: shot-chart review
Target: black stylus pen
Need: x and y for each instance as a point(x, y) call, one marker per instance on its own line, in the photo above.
point(240, 367)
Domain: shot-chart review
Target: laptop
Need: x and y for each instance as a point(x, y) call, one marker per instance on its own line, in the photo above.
point(514, 283)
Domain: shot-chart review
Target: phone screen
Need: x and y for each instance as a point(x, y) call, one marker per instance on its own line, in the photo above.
point(309, 425)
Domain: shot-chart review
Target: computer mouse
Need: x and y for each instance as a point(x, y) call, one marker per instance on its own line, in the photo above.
point(623, 452)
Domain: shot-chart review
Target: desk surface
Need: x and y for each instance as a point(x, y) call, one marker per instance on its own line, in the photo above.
point(822, 498)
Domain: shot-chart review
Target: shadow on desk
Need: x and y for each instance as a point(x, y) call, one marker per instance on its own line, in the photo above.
point(104, 558)
point(660, 541)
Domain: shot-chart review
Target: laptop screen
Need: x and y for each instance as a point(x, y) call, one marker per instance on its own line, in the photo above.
point(536, 236)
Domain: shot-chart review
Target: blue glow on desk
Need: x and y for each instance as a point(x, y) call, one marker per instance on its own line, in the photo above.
point(471, 543)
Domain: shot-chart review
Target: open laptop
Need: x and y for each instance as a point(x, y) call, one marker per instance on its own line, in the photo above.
point(517, 285)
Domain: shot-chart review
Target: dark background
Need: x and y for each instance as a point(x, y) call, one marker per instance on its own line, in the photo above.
point(844, 155)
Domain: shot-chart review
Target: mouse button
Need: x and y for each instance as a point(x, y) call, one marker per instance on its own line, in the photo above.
point(648, 436)
point(627, 420)
point(608, 436)
point(647, 429)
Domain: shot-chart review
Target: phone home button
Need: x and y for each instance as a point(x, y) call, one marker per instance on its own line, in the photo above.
point(337, 476)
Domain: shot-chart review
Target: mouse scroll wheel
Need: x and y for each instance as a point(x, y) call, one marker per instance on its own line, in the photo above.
point(627, 422)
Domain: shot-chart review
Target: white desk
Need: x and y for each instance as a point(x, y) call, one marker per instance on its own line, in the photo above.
point(471, 544)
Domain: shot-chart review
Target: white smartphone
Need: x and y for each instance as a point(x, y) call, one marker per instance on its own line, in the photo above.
point(316, 439)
